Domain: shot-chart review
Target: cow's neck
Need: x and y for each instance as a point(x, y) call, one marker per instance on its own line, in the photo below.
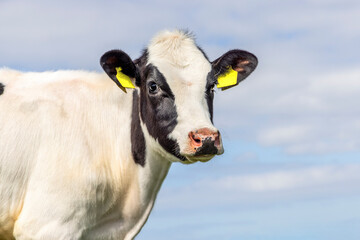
point(149, 178)
point(153, 173)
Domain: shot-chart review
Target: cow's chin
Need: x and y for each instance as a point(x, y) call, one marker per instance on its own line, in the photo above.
point(200, 158)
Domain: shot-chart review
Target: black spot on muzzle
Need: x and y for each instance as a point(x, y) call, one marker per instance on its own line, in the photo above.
point(208, 148)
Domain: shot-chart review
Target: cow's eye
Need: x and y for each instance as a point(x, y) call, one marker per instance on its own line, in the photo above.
point(153, 87)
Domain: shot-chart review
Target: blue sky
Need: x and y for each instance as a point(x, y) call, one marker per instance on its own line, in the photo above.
point(291, 130)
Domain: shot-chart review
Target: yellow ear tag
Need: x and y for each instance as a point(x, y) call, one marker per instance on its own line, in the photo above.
point(124, 80)
point(227, 79)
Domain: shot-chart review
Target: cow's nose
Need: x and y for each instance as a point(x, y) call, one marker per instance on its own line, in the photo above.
point(205, 141)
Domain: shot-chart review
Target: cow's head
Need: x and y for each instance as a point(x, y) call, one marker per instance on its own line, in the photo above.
point(175, 83)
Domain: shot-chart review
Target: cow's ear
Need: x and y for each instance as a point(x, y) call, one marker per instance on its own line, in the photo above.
point(233, 67)
point(120, 68)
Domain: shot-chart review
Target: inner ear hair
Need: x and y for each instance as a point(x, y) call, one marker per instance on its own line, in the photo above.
point(239, 67)
point(241, 61)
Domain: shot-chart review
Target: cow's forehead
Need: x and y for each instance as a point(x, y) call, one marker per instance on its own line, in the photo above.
point(177, 56)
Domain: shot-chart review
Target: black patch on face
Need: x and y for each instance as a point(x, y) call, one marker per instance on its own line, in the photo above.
point(2, 87)
point(209, 92)
point(138, 147)
point(157, 108)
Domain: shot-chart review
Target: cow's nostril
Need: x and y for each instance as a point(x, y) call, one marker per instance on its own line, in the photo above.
point(195, 139)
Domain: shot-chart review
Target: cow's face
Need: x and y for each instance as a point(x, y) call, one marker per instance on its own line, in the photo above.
point(175, 85)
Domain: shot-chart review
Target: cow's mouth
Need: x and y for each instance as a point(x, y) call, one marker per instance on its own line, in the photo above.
point(201, 156)
point(198, 158)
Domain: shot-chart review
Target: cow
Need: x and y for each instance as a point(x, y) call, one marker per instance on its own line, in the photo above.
point(84, 158)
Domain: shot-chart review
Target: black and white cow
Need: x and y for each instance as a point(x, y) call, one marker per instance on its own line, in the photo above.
point(81, 159)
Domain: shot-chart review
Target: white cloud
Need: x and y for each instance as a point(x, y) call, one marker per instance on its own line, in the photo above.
point(285, 134)
point(321, 115)
point(311, 177)
point(336, 85)
point(266, 188)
